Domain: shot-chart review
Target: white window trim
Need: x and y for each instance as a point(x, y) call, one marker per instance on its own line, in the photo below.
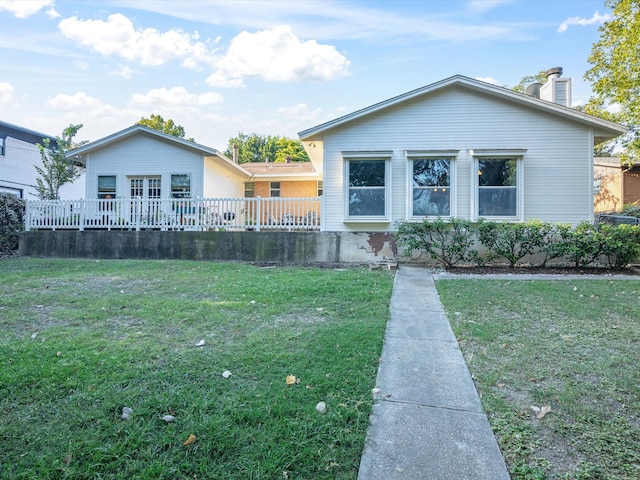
point(519, 155)
point(412, 155)
point(170, 189)
point(368, 155)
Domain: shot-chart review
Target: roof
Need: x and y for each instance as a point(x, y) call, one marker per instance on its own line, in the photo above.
point(143, 130)
point(279, 168)
point(603, 129)
point(24, 134)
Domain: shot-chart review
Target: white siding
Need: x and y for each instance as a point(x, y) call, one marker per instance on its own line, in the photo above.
point(222, 181)
point(17, 170)
point(142, 155)
point(557, 164)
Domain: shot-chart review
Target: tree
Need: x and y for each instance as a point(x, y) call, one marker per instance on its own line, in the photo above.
point(165, 126)
point(540, 77)
point(56, 169)
point(615, 71)
point(261, 148)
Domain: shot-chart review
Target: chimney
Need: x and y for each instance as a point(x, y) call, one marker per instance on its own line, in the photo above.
point(235, 153)
point(556, 89)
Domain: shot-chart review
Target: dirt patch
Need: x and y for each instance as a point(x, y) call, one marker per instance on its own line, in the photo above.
point(632, 271)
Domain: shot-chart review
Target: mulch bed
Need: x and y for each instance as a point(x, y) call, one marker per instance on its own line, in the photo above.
point(631, 271)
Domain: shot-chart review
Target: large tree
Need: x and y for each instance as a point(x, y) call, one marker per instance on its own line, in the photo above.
point(165, 126)
point(56, 169)
point(615, 70)
point(266, 148)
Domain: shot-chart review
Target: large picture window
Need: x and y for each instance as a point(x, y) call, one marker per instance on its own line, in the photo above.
point(498, 187)
point(431, 187)
point(367, 187)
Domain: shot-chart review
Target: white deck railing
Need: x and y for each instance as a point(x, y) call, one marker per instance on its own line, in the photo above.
point(175, 214)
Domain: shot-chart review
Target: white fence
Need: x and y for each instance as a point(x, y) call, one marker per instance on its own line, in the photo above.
point(175, 214)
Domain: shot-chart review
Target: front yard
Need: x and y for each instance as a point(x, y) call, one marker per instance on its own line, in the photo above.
point(82, 339)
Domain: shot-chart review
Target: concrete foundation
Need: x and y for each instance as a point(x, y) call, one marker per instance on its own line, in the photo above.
point(267, 247)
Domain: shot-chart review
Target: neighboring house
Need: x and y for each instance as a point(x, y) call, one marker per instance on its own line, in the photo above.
point(615, 185)
point(19, 156)
point(459, 148)
point(287, 180)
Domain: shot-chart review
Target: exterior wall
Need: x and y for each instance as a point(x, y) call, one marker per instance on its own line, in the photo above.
point(558, 175)
point(18, 173)
point(221, 181)
point(142, 155)
point(632, 186)
point(289, 189)
point(609, 198)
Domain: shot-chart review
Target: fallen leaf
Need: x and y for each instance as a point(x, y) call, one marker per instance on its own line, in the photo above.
point(191, 440)
point(200, 343)
point(169, 418)
point(321, 407)
point(291, 379)
point(58, 354)
point(226, 374)
point(34, 335)
point(67, 459)
point(543, 411)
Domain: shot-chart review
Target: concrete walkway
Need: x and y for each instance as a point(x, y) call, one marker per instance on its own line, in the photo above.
point(427, 421)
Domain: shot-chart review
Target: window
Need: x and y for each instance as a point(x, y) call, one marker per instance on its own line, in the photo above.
point(319, 190)
point(181, 186)
point(431, 187)
point(249, 189)
point(274, 189)
point(498, 193)
point(106, 187)
point(2, 146)
point(368, 186)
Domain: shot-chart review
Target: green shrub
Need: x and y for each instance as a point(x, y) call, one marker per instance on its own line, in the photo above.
point(582, 245)
point(448, 241)
point(11, 221)
point(620, 243)
point(513, 241)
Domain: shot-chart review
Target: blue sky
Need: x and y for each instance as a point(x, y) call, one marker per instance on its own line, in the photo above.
point(269, 67)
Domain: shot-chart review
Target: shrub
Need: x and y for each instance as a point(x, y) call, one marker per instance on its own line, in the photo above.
point(620, 243)
point(11, 221)
point(582, 244)
point(448, 241)
point(513, 241)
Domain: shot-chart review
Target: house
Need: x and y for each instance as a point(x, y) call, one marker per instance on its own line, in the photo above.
point(141, 177)
point(19, 155)
point(615, 185)
point(462, 148)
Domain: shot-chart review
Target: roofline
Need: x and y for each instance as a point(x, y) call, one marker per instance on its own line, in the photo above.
point(29, 131)
point(102, 142)
point(473, 84)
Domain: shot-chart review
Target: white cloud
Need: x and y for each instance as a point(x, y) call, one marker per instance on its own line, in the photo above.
point(596, 18)
point(6, 92)
point(490, 80)
point(175, 97)
point(123, 71)
point(300, 112)
point(24, 9)
point(118, 37)
point(80, 102)
point(278, 55)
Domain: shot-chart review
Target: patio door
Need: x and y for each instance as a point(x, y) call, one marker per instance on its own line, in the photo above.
point(145, 194)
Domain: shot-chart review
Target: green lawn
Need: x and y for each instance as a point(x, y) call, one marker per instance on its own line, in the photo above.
point(573, 346)
point(81, 339)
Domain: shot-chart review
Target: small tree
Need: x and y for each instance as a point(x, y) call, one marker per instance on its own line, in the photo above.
point(56, 169)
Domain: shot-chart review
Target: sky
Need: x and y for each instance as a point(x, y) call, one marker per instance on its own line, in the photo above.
point(220, 68)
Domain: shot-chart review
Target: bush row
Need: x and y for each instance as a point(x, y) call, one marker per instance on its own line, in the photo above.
point(462, 242)
point(11, 221)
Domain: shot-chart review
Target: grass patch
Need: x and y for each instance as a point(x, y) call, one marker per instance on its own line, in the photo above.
point(570, 345)
point(81, 339)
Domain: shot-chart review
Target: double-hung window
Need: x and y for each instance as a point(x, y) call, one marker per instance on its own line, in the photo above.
point(499, 186)
point(274, 189)
point(431, 190)
point(368, 186)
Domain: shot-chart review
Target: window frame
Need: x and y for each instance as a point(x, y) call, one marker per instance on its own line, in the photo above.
point(3, 146)
point(103, 195)
point(499, 154)
point(412, 156)
point(275, 189)
point(249, 189)
point(373, 156)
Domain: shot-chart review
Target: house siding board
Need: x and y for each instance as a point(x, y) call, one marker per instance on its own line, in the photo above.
point(221, 182)
point(141, 155)
point(463, 120)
